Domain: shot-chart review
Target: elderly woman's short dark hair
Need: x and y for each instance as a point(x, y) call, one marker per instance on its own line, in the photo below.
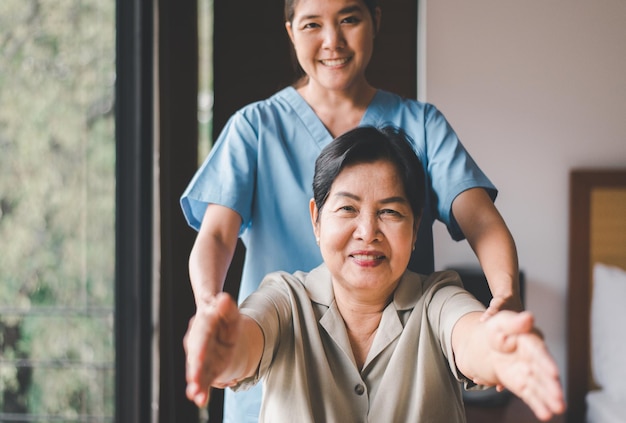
point(367, 144)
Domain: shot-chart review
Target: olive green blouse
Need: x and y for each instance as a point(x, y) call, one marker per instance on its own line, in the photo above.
point(308, 369)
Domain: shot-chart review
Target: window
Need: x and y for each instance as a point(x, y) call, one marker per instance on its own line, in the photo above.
point(205, 77)
point(57, 211)
point(90, 245)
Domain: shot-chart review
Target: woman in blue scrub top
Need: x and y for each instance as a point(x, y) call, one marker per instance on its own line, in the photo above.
point(256, 181)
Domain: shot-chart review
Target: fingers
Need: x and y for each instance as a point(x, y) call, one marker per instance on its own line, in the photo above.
point(543, 394)
point(495, 305)
point(522, 362)
point(197, 395)
point(197, 390)
point(502, 303)
point(506, 326)
point(229, 318)
point(545, 405)
point(530, 372)
point(208, 343)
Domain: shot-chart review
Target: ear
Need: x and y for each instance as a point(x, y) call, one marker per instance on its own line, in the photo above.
point(416, 227)
point(314, 212)
point(377, 17)
point(289, 30)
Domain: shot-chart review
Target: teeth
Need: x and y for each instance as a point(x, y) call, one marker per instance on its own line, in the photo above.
point(366, 257)
point(334, 62)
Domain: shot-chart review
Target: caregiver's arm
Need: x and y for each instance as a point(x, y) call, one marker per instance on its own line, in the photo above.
point(506, 350)
point(231, 349)
point(213, 252)
point(493, 244)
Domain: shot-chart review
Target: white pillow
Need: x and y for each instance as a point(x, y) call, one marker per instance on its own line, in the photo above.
point(608, 330)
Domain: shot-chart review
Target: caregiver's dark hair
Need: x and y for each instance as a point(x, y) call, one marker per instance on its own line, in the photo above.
point(367, 144)
point(290, 7)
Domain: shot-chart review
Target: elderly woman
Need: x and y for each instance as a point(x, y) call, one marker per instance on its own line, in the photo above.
point(361, 338)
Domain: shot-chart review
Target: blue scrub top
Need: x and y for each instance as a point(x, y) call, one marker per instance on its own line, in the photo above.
point(262, 167)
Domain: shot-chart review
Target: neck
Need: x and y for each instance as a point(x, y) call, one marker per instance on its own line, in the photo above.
point(362, 319)
point(339, 110)
point(357, 95)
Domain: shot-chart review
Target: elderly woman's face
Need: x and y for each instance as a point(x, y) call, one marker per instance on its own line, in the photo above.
point(366, 229)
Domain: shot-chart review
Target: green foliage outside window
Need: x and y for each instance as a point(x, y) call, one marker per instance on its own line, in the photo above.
point(57, 208)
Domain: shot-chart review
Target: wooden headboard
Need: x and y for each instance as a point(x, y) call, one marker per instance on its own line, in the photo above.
point(597, 233)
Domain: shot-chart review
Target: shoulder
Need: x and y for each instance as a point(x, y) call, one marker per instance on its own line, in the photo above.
point(416, 117)
point(414, 287)
point(400, 103)
point(315, 285)
point(283, 278)
point(261, 120)
point(288, 283)
point(444, 291)
point(443, 278)
point(275, 296)
point(280, 102)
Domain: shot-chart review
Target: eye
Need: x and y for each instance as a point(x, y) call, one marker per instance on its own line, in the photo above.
point(389, 212)
point(351, 20)
point(310, 25)
point(347, 208)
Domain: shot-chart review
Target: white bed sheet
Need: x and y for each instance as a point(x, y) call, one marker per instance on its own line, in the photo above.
point(601, 408)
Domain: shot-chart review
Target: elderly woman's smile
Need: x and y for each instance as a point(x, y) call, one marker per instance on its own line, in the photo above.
point(366, 258)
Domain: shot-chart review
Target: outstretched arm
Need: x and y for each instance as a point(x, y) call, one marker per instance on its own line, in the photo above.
point(506, 350)
point(231, 349)
point(489, 237)
point(209, 260)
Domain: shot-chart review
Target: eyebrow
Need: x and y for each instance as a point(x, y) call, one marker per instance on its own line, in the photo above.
point(350, 9)
point(389, 200)
point(345, 11)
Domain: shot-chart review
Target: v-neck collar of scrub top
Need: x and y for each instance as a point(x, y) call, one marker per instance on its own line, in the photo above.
point(408, 292)
point(314, 124)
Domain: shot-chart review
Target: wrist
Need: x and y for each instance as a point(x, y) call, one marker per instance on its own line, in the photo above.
point(510, 302)
point(205, 299)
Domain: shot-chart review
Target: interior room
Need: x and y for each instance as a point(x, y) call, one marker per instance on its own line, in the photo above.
point(536, 91)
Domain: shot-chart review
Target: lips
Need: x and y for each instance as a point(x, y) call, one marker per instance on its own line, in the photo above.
point(369, 259)
point(335, 62)
point(366, 257)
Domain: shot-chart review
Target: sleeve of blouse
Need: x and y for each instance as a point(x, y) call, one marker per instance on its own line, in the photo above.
point(271, 307)
point(450, 168)
point(227, 176)
point(447, 303)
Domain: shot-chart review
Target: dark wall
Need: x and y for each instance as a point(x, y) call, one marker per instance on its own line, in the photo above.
point(394, 63)
point(252, 60)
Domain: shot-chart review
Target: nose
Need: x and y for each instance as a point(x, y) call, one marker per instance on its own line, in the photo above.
point(367, 228)
point(333, 37)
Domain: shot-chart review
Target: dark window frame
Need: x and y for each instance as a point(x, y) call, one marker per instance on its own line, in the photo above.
point(134, 205)
point(156, 95)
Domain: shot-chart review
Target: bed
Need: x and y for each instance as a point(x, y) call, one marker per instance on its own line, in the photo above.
point(596, 369)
